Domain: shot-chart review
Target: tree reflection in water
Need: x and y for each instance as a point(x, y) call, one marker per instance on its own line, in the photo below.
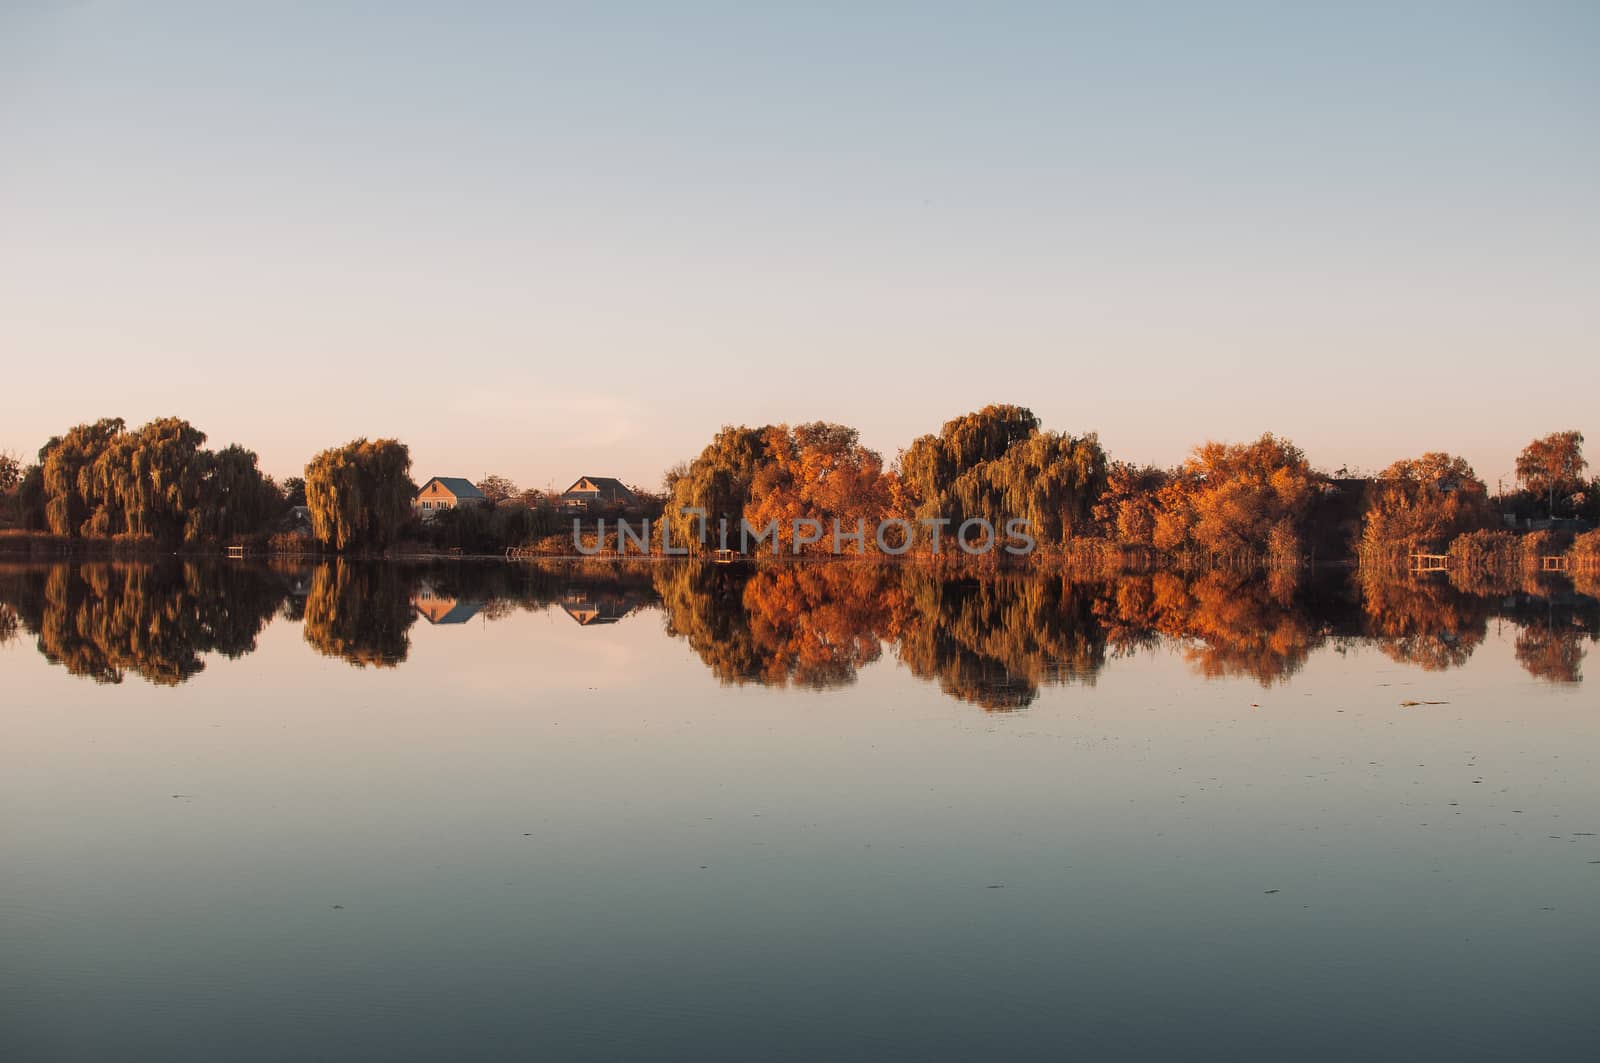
point(360, 612)
point(996, 640)
point(1428, 622)
point(10, 625)
point(1226, 622)
point(102, 620)
point(813, 625)
point(993, 640)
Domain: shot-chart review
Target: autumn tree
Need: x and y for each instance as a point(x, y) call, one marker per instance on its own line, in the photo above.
point(1422, 504)
point(1237, 500)
point(1553, 466)
point(360, 494)
point(497, 489)
point(817, 472)
point(1127, 509)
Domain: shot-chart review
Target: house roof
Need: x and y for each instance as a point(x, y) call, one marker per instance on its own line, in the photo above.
point(458, 613)
point(459, 486)
point(607, 484)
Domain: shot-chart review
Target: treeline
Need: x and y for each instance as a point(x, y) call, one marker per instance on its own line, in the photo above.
point(1229, 503)
point(158, 485)
point(157, 482)
point(1437, 504)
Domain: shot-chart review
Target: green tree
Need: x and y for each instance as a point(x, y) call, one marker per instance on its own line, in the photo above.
point(235, 498)
point(718, 482)
point(155, 482)
point(933, 462)
point(30, 498)
point(360, 494)
point(1049, 479)
point(997, 464)
point(147, 483)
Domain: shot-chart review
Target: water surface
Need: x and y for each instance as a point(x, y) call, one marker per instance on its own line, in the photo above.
point(829, 812)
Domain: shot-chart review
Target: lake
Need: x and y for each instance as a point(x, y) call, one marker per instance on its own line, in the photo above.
point(814, 812)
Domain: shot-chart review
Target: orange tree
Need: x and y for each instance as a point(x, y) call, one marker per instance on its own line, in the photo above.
point(1237, 500)
point(1422, 504)
point(1553, 465)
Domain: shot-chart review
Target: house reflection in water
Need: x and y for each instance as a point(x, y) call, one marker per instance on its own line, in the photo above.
point(589, 607)
point(437, 608)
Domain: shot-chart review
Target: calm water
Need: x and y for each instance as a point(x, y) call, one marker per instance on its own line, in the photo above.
point(822, 813)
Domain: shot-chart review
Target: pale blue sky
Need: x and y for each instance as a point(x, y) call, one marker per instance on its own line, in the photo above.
point(552, 240)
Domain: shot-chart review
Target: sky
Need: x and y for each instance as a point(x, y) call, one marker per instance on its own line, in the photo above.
point(546, 241)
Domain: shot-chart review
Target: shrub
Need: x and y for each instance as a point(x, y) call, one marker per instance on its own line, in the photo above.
point(1586, 547)
point(1486, 548)
point(1541, 544)
point(290, 542)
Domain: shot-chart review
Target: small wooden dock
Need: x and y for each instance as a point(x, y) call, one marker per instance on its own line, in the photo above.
point(1430, 562)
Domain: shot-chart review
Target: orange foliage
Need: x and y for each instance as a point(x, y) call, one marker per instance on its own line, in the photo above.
point(819, 472)
point(1230, 501)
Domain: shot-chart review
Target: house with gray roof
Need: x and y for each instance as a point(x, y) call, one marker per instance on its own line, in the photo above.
point(591, 491)
point(444, 492)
